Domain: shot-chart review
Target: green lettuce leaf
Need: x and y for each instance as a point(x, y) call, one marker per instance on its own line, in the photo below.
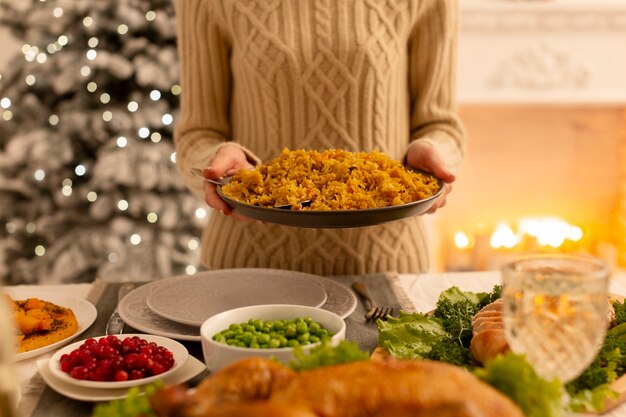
point(411, 335)
point(512, 375)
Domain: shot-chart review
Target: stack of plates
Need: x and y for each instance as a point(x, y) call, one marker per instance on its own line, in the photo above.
point(176, 307)
point(185, 367)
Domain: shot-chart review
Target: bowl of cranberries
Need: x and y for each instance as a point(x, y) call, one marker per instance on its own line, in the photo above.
point(118, 361)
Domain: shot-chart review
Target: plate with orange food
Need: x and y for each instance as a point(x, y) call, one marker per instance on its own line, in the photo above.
point(45, 321)
point(330, 189)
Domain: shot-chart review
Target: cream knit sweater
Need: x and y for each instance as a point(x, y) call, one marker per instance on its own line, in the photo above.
point(316, 74)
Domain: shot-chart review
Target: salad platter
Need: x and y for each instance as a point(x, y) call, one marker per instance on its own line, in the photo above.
point(448, 333)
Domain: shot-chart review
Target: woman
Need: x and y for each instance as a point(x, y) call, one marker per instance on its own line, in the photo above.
point(361, 75)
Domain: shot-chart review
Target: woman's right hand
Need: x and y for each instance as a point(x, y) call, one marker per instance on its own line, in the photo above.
point(228, 160)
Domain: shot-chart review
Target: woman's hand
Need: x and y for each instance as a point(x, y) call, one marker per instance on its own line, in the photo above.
point(422, 155)
point(228, 160)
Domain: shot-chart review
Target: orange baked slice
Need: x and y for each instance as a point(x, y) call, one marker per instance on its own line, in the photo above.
point(41, 323)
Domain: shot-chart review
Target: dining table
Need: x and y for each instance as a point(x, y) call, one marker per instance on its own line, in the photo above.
point(408, 292)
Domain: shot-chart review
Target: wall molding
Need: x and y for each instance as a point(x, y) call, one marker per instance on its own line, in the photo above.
point(561, 51)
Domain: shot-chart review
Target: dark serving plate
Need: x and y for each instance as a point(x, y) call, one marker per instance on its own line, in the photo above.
point(332, 218)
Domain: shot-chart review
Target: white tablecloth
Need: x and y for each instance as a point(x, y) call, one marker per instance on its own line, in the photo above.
point(423, 290)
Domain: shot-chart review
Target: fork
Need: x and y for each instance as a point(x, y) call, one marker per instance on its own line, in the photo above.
point(374, 312)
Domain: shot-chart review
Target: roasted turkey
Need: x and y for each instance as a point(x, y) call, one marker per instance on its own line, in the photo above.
point(257, 387)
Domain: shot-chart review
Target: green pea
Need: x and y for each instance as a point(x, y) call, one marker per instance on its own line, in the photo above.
point(304, 337)
point(302, 328)
point(234, 326)
point(254, 345)
point(274, 343)
point(314, 328)
point(263, 338)
point(247, 338)
point(314, 339)
point(291, 330)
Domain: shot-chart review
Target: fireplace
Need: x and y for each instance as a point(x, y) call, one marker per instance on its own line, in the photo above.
point(542, 92)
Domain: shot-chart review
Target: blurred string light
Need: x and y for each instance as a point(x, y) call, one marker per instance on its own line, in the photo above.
point(66, 187)
point(201, 213)
point(39, 174)
point(80, 170)
point(151, 15)
point(10, 227)
point(122, 205)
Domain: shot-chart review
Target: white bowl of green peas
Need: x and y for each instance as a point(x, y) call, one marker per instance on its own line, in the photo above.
point(270, 331)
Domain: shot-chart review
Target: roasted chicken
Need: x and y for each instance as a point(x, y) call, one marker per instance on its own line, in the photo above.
point(257, 387)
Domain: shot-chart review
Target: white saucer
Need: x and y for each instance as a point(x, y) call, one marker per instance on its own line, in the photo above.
point(192, 368)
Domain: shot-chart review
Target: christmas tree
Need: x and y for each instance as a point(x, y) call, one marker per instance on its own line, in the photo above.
point(88, 179)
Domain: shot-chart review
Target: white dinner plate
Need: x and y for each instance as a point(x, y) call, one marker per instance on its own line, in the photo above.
point(84, 311)
point(191, 299)
point(341, 299)
point(191, 369)
point(135, 313)
point(181, 355)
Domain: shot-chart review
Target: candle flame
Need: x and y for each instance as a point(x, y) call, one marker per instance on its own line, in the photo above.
point(548, 231)
point(461, 240)
point(504, 237)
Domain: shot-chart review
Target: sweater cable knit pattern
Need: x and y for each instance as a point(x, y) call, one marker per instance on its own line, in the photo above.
point(316, 74)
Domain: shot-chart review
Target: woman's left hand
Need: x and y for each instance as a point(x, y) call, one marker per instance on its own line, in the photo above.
point(423, 155)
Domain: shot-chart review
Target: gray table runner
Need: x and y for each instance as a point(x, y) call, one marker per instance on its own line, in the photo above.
point(41, 401)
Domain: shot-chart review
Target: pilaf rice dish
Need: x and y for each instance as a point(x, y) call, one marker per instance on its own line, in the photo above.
point(333, 180)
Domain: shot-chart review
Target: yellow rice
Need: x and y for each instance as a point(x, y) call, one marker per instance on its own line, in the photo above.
point(334, 180)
